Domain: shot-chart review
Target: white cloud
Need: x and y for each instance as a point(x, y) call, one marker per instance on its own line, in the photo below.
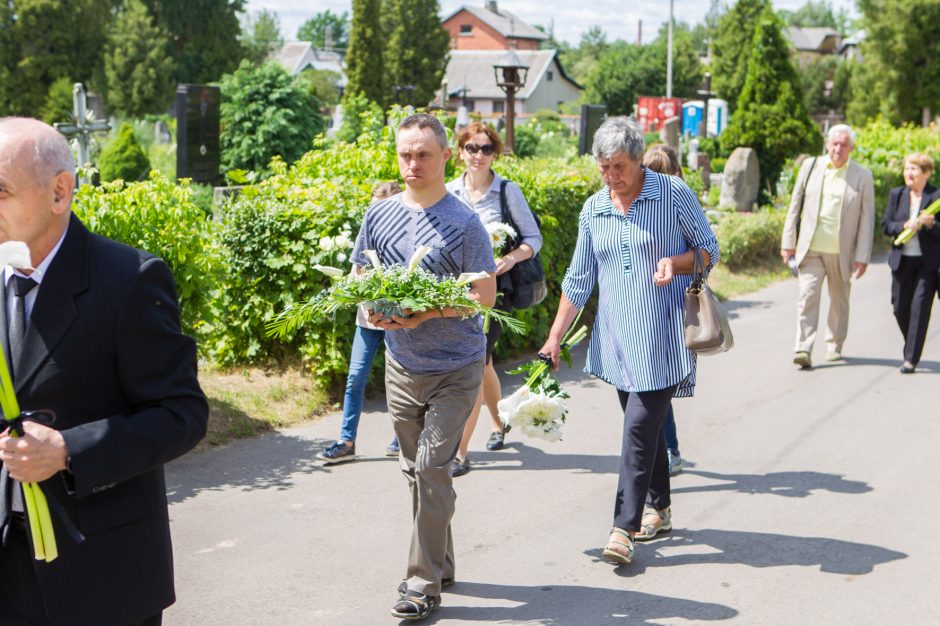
point(618, 19)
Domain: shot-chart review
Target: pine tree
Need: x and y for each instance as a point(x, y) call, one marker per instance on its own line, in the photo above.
point(732, 48)
point(365, 67)
point(45, 40)
point(770, 115)
point(137, 63)
point(123, 158)
point(203, 36)
point(417, 51)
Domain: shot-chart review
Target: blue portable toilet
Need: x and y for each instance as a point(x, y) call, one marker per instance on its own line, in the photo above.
point(692, 112)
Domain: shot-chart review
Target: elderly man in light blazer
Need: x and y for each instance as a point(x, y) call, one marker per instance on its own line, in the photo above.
point(828, 231)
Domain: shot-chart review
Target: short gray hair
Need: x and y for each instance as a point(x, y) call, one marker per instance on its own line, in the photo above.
point(841, 128)
point(51, 152)
point(618, 135)
point(422, 121)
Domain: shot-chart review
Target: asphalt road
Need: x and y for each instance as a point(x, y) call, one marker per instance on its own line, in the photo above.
point(809, 497)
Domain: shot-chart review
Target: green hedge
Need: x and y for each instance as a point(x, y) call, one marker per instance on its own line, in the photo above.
point(160, 216)
point(748, 239)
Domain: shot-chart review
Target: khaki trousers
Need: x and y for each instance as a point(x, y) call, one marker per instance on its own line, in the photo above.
point(816, 267)
point(429, 412)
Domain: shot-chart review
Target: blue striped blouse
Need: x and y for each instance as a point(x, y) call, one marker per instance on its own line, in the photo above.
point(638, 342)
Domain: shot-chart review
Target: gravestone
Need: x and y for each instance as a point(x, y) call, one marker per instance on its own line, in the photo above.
point(197, 133)
point(740, 182)
point(670, 133)
point(592, 116)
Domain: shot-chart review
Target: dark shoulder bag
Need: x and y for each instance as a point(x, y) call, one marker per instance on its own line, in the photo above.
point(799, 215)
point(524, 285)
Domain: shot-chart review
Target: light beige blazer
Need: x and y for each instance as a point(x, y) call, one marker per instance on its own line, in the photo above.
point(857, 222)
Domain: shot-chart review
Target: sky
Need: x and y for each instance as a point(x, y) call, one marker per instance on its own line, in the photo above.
point(619, 18)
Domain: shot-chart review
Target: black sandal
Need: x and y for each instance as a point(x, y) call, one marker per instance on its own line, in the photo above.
point(414, 606)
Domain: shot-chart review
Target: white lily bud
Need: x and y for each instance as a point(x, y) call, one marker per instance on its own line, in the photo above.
point(468, 277)
point(15, 254)
point(374, 257)
point(419, 254)
point(332, 272)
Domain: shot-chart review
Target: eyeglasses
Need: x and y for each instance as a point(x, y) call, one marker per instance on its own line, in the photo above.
point(487, 149)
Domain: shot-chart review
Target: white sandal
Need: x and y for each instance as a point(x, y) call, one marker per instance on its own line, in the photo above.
point(654, 522)
point(619, 551)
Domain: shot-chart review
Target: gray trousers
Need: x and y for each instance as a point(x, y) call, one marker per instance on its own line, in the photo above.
point(429, 412)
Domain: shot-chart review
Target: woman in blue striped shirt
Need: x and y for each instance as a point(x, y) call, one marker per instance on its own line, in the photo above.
point(636, 241)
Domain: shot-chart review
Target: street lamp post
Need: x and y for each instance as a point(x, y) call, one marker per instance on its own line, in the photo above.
point(511, 73)
point(669, 55)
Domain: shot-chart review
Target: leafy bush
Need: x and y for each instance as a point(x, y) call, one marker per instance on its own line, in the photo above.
point(265, 113)
point(747, 239)
point(545, 136)
point(693, 178)
point(159, 216)
point(123, 158)
point(556, 191)
point(717, 165)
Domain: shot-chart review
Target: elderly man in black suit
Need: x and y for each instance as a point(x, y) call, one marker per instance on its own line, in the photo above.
point(102, 350)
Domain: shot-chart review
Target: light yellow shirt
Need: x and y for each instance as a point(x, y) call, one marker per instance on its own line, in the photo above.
point(826, 237)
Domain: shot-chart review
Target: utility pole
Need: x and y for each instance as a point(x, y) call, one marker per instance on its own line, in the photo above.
point(669, 57)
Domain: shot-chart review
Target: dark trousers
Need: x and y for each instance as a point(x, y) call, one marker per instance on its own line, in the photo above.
point(644, 466)
point(912, 291)
point(20, 595)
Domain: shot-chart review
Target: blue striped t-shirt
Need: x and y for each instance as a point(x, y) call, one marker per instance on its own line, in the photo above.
point(459, 244)
point(638, 340)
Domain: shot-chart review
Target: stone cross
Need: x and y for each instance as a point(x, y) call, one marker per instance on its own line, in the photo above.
point(82, 127)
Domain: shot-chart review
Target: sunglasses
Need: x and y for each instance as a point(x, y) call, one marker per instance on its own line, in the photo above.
point(487, 149)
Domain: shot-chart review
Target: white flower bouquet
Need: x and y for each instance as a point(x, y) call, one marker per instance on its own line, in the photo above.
point(499, 234)
point(538, 407)
point(394, 290)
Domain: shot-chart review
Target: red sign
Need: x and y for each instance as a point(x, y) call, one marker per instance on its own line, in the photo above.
point(653, 111)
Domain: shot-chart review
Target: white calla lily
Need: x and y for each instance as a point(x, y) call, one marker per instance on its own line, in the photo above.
point(419, 254)
point(332, 272)
point(374, 257)
point(468, 277)
point(15, 254)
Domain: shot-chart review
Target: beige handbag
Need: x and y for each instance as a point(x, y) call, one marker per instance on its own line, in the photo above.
point(706, 326)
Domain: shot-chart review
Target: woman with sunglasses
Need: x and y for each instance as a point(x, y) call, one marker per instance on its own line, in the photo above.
point(478, 145)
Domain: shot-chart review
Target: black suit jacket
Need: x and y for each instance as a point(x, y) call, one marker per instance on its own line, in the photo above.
point(104, 351)
point(897, 212)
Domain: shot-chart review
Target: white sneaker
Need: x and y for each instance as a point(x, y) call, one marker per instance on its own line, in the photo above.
point(675, 462)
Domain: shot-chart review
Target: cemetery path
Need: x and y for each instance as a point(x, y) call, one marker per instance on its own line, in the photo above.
point(808, 498)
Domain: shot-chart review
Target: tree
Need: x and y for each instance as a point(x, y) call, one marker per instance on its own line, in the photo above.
point(137, 64)
point(580, 61)
point(203, 36)
point(265, 113)
point(365, 67)
point(261, 35)
point(316, 28)
point(817, 14)
point(59, 106)
point(770, 116)
point(123, 158)
point(625, 71)
point(417, 51)
point(732, 48)
point(44, 40)
point(705, 31)
point(321, 84)
point(902, 55)
point(824, 87)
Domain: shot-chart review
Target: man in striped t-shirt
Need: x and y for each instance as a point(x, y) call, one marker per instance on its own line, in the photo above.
point(434, 359)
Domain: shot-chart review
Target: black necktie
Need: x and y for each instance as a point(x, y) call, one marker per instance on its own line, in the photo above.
point(21, 285)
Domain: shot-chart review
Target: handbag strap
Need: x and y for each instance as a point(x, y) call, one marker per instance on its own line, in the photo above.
point(799, 215)
point(699, 277)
